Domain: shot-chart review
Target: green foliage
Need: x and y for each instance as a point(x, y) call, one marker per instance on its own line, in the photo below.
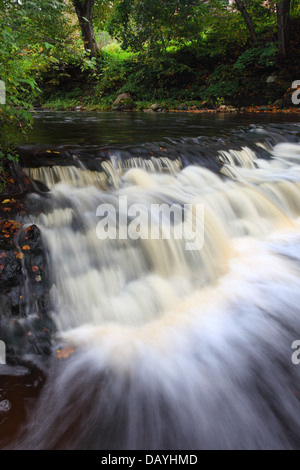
point(102, 11)
point(223, 84)
point(260, 56)
point(13, 125)
point(142, 75)
point(155, 23)
point(32, 34)
point(26, 29)
point(179, 51)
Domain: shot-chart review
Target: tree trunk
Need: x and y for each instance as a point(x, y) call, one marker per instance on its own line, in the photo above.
point(283, 23)
point(241, 7)
point(84, 11)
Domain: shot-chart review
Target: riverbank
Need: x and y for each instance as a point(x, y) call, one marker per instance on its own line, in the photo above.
point(174, 106)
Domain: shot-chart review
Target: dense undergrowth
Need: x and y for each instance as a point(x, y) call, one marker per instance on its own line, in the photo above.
point(236, 74)
point(186, 76)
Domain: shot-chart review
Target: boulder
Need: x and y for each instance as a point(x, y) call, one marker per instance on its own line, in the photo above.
point(182, 107)
point(232, 109)
point(155, 107)
point(223, 109)
point(124, 102)
point(279, 103)
point(271, 79)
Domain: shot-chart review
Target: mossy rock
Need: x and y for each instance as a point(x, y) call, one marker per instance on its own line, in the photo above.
point(124, 102)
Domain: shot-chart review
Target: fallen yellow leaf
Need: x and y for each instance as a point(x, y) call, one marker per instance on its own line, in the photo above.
point(65, 352)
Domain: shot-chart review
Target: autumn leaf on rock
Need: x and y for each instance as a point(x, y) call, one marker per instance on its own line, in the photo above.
point(19, 255)
point(65, 352)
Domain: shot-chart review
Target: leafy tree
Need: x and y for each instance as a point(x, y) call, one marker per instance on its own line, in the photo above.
point(139, 22)
point(30, 32)
point(101, 13)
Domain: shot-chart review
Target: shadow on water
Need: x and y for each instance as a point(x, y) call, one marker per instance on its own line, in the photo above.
point(119, 129)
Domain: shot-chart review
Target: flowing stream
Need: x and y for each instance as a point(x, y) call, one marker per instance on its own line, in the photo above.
point(171, 348)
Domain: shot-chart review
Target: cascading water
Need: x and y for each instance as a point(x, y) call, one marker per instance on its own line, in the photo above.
point(174, 349)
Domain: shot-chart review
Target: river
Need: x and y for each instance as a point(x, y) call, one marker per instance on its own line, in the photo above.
point(171, 344)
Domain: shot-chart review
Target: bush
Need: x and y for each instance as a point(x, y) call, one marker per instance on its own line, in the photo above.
point(143, 76)
point(223, 85)
point(261, 56)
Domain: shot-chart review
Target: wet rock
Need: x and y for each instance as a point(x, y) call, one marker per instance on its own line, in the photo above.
point(31, 336)
point(31, 237)
point(25, 285)
point(35, 259)
point(8, 230)
point(16, 182)
point(39, 187)
point(78, 108)
point(10, 269)
point(124, 102)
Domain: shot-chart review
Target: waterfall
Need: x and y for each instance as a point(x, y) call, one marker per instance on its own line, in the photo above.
point(173, 348)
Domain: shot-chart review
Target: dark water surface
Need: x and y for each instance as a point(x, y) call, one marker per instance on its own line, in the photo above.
point(119, 129)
